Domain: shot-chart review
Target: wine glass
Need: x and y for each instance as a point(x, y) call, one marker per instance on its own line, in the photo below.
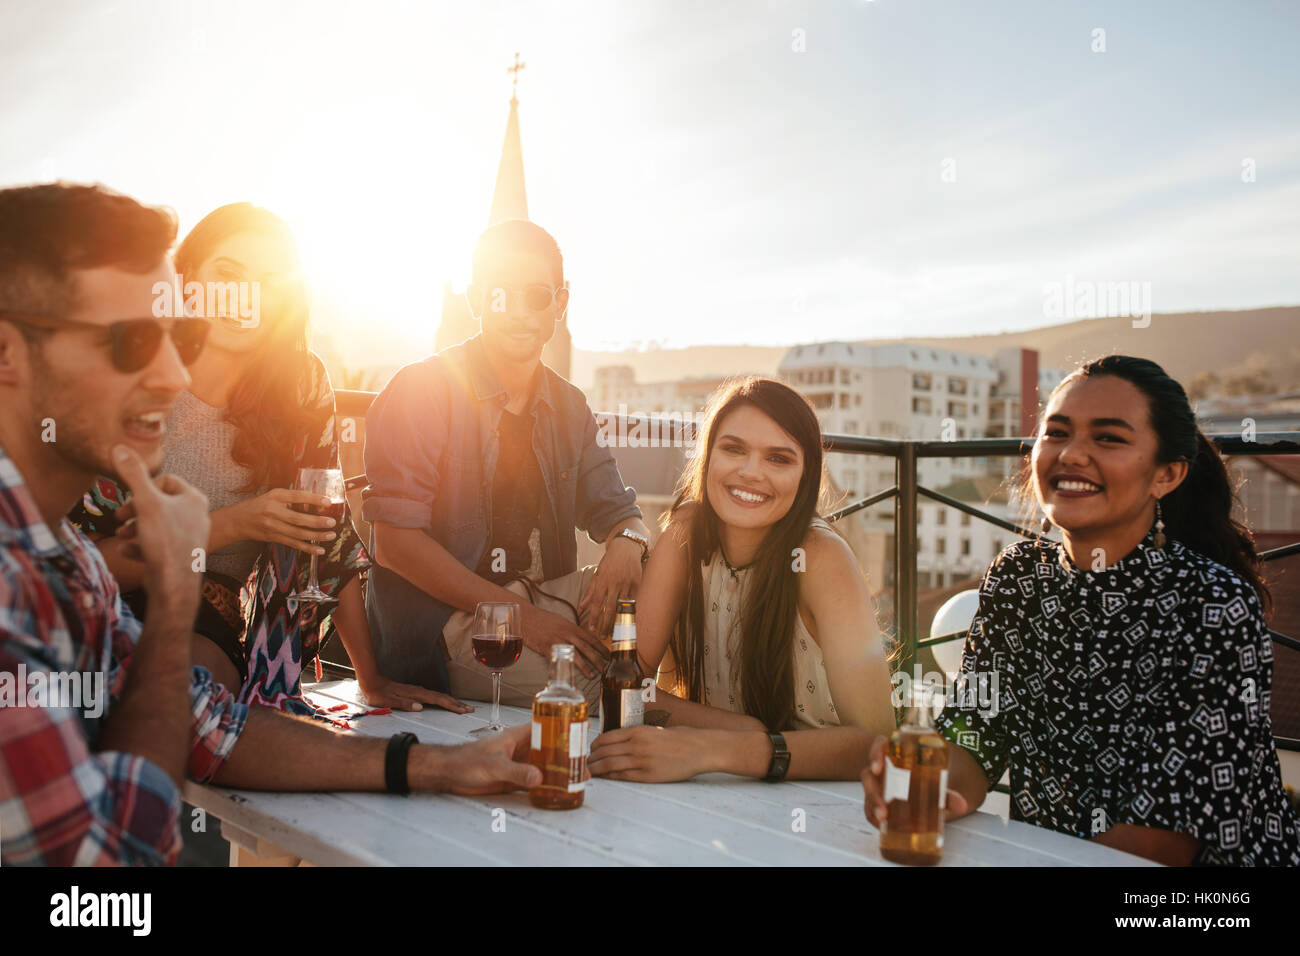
point(498, 642)
point(327, 482)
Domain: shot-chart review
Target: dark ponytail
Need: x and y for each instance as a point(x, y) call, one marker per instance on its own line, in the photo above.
point(1199, 511)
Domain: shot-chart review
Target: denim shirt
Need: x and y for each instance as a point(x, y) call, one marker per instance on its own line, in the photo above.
point(431, 454)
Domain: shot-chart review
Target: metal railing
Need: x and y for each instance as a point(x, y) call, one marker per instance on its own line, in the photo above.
point(907, 490)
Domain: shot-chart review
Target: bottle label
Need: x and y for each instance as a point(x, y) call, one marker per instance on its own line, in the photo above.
point(625, 632)
point(537, 735)
point(631, 708)
point(577, 756)
point(898, 782)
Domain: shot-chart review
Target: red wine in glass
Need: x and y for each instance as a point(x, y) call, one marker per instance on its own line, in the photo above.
point(335, 510)
point(495, 652)
point(328, 483)
point(498, 642)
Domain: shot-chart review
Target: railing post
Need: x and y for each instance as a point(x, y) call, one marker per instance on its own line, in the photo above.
point(905, 554)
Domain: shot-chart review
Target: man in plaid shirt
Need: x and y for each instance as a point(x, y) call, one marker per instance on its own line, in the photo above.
point(87, 375)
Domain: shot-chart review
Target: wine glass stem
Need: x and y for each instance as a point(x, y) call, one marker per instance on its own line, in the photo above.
point(312, 585)
point(496, 698)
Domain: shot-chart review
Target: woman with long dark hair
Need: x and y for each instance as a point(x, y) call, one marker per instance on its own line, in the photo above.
point(259, 408)
point(754, 613)
point(1133, 662)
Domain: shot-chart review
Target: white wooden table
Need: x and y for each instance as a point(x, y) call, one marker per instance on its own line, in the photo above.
point(715, 819)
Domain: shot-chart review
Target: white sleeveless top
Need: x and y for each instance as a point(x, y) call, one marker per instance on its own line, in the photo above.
point(724, 596)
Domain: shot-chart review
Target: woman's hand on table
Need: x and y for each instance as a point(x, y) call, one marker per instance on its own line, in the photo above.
point(655, 754)
point(873, 786)
point(382, 692)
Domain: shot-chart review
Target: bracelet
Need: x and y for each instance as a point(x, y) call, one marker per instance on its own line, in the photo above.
point(395, 760)
point(776, 770)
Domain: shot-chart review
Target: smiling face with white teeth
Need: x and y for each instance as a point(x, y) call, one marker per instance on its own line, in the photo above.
point(755, 467)
point(1095, 466)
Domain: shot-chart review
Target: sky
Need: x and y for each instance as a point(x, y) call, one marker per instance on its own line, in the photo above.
point(754, 172)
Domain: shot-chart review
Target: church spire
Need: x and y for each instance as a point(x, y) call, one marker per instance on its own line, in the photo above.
point(509, 198)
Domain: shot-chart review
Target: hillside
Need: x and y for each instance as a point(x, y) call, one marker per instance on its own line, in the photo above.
point(1186, 344)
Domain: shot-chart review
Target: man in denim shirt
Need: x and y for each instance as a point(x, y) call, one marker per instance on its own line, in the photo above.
point(481, 463)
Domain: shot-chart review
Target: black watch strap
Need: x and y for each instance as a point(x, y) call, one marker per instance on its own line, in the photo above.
point(395, 758)
point(776, 770)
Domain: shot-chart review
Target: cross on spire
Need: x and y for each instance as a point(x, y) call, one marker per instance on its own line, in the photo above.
point(514, 87)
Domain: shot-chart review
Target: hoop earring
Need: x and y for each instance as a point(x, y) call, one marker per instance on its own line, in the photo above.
point(1159, 538)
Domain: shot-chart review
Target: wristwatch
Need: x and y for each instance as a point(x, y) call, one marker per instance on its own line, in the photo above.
point(639, 539)
point(776, 770)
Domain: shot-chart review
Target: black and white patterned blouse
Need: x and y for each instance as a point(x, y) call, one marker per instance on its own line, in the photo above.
point(1135, 694)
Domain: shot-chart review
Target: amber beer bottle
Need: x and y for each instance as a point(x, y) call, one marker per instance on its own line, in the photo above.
point(916, 782)
point(559, 737)
point(621, 704)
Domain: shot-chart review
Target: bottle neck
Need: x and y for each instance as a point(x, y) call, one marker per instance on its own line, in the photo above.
point(562, 671)
point(919, 713)
point(624, 634)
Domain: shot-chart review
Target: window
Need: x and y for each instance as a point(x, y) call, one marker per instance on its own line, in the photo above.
point(920, 406)
point(941, 546)
point(844, 376)
point(844, 400)
point(941, 517)
point(851, 426)
point(965, 546)
point(956, 386)
point(857, 400)
point(921, 381)
point(965, 520)
point(956, 409)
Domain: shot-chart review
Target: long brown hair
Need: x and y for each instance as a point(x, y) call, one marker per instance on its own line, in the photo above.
point(267, 403)
point(766, 664)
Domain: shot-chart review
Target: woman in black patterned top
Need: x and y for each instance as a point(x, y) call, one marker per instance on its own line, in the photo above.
point(1132, 663)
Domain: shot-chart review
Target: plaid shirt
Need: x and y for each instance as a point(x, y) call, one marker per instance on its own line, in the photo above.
point(62, 623)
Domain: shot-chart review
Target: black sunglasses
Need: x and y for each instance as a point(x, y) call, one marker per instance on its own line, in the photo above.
point(134, 342)
point(537, 297)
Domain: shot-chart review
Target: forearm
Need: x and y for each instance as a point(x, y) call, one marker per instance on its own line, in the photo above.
point(634, 524)
point(831, 753)
point(432, 568)
point(687, 713)
point(152, 719)
point(1163, 846)
point(354, 631)
point(225, 528)
point(278, 751)
point(966, 776)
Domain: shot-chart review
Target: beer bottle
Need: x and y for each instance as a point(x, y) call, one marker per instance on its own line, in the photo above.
point(916, 782)
point(559, 737)
point(621, 704)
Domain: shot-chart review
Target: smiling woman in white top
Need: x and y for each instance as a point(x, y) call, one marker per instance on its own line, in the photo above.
point(755, 613)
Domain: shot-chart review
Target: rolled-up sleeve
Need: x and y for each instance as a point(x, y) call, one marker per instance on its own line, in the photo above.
point(218, 721)
point(603, 500)
point(406, 433)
